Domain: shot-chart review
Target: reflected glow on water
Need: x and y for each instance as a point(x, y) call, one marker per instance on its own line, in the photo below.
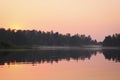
point(94, 68)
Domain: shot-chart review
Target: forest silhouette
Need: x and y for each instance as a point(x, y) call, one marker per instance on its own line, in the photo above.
point(11, 38)
point(113, 40)
point(32, 37)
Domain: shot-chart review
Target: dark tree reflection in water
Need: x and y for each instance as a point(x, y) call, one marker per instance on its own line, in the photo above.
point(113, 55)
point(51, 56)
point(42, 56)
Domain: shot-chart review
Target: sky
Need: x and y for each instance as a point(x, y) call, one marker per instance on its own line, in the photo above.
point(97, 18)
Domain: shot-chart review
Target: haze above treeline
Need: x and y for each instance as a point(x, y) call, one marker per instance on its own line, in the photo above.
point(11, 37)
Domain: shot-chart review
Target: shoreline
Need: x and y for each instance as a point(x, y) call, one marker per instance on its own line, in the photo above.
point(61, 48)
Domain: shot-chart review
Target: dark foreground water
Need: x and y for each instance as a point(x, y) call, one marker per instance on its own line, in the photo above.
point(60, 65)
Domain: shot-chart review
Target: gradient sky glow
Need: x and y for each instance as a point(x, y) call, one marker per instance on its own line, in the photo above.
point(97, 18)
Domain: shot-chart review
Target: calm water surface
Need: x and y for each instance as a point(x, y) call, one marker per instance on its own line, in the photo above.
point(60, 65)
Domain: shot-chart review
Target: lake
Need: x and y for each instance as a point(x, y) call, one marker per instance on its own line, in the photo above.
point(61, 64)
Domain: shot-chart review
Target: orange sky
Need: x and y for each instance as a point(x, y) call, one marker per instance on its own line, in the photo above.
point(95, 17)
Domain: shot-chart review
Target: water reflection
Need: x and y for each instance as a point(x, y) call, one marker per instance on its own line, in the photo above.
point(51, 56)
point(113, 55)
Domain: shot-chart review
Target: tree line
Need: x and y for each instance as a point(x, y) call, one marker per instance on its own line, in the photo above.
point(33, 37)
point(112, 40)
